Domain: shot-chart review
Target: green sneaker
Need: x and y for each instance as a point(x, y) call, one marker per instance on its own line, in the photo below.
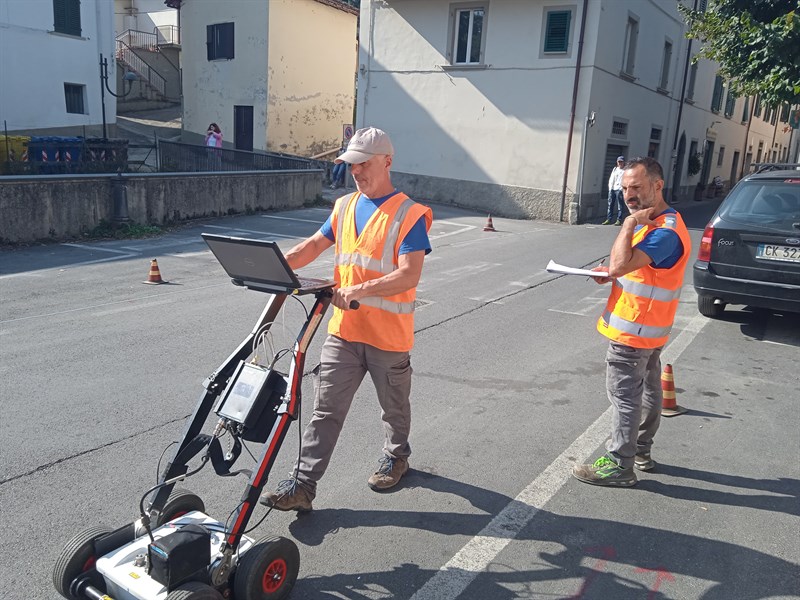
point(606, 222)
point(605, 471)
point(618, 223)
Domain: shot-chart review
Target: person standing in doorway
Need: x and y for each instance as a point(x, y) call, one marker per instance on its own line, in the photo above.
point(380, 239)
point(646, 268)
point(616, 203)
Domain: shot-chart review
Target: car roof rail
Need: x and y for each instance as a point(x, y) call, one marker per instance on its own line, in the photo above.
point(766, 167)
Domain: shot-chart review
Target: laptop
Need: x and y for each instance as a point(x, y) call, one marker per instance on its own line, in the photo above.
point(260, 265)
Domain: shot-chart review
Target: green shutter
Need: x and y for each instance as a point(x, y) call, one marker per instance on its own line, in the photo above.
point(556, 38)
point(74, 17)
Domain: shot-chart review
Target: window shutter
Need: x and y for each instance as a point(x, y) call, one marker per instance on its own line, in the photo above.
point(557, 33)
point(716, 99)
point(210, 54)
point(226, 40)
point(59, 15)
point(73, 24)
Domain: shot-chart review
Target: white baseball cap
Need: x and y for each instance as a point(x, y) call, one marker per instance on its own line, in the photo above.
point(365, 144)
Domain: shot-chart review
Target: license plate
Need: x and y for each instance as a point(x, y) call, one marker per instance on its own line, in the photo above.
point(775, 252)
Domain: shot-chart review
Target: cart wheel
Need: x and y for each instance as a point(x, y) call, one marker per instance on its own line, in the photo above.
point(179, 503)
point(268, 570)
point(77, 557)
point(194, 590)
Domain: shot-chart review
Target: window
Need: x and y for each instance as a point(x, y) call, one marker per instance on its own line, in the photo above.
point(716, 99)
point(785, 113)
point(219, 41)
point(773, 112)
point(468, 34)
point(655, 143)
point(665, 65)
point(721, 156)
point(73, 94)
point(631, 38)
point(556, 37)
point(757, 108)
point(730, 103)
point(619, 129)
point(746, 111)
point(692, 79)
point(702, 5)
point(67, 16)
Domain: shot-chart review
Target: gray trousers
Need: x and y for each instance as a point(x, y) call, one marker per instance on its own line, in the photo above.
point(633, 382)
point(342, 368)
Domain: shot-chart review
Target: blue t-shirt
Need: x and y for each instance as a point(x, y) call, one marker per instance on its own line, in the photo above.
point(662, 245)
point(415, 240)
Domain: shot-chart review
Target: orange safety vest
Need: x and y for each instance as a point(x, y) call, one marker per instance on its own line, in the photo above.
point(642, 304)
point(386, 322)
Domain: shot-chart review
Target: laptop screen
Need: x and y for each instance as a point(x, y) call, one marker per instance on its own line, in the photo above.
point(252, 260)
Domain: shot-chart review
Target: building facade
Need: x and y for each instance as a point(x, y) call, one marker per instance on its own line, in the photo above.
point(520, 107)
point(50, 63)
point(276, 76)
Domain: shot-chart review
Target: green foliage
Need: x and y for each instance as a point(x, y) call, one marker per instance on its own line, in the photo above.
point(106, 230)
point(756, 43)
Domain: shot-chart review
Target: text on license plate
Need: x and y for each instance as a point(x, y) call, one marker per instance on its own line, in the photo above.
point(775, 252)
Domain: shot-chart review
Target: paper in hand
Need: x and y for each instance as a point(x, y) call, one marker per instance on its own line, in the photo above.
point(553, 267)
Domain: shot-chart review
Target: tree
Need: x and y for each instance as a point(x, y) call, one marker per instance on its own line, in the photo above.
point(756, 43)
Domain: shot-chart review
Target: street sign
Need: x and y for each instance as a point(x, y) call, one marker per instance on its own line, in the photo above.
point(347, 132)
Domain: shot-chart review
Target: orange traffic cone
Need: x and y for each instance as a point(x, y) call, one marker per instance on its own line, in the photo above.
point(154, 277)
point(669, 406)
point(489, 225)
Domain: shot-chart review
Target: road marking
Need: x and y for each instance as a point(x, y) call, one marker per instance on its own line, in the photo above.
point(69, 266)
point(99, 248)
point(464, 228)
point(292, 219)
point(262, 233)
point(72, 310)
point(477, 554)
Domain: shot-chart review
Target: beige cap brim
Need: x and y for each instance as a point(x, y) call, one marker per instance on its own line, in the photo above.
point(354, 157)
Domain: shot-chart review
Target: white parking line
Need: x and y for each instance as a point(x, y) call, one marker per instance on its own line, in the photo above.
point(261, 233)
point(477, 554)
point(41, 272)
point(292, 219)
point(99, 248)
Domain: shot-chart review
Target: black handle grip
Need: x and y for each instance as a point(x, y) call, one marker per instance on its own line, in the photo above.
point(354, 304)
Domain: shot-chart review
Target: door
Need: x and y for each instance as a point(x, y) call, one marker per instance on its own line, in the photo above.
point(243, 127)
point(676, 184)
point(610, 161)
point(734, 170)
point(707, 156)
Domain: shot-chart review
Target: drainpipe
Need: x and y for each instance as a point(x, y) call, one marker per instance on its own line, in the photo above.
point(673, 166)
point(572, 110)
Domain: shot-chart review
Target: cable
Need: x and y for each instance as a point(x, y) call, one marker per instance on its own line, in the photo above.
point(160, 458)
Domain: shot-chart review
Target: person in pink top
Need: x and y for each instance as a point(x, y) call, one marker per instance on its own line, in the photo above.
point(214, 140)
point(214, 136)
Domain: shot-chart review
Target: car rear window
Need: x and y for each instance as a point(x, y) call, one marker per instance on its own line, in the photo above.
point(771, 203)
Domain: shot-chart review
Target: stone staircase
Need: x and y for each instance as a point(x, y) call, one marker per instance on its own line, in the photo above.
point(154, 59)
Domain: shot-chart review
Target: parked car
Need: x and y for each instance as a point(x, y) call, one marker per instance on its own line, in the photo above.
point(750, 250)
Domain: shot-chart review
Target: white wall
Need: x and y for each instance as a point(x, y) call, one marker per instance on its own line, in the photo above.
point(144, 16)
point(35, 63)
point(504, 124)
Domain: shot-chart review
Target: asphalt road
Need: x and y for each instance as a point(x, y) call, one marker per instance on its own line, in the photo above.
point(99, 372)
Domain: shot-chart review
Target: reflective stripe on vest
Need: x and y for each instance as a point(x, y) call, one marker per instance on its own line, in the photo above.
point(634, 328)
point(647, 291)
point(400, 308)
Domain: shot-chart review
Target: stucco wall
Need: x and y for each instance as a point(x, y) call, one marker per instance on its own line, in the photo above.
point(312, 67)
point(35, 63)
point(212, 88)
point(34, 208)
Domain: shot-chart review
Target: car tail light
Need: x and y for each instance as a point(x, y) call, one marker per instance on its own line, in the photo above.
point(704, 253)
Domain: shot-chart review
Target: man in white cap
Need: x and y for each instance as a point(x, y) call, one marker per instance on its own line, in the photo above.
point(616, 202)
point(381, 238)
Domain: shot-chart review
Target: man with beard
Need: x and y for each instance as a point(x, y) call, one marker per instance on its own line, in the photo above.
point(645, 268)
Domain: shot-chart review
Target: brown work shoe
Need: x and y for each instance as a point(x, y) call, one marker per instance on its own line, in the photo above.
point(388, 474)
point(289, 495)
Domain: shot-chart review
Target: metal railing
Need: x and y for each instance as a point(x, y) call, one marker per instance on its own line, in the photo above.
point(180, 157)
point(128, 55)
point(168, 34)
point(139, 39)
